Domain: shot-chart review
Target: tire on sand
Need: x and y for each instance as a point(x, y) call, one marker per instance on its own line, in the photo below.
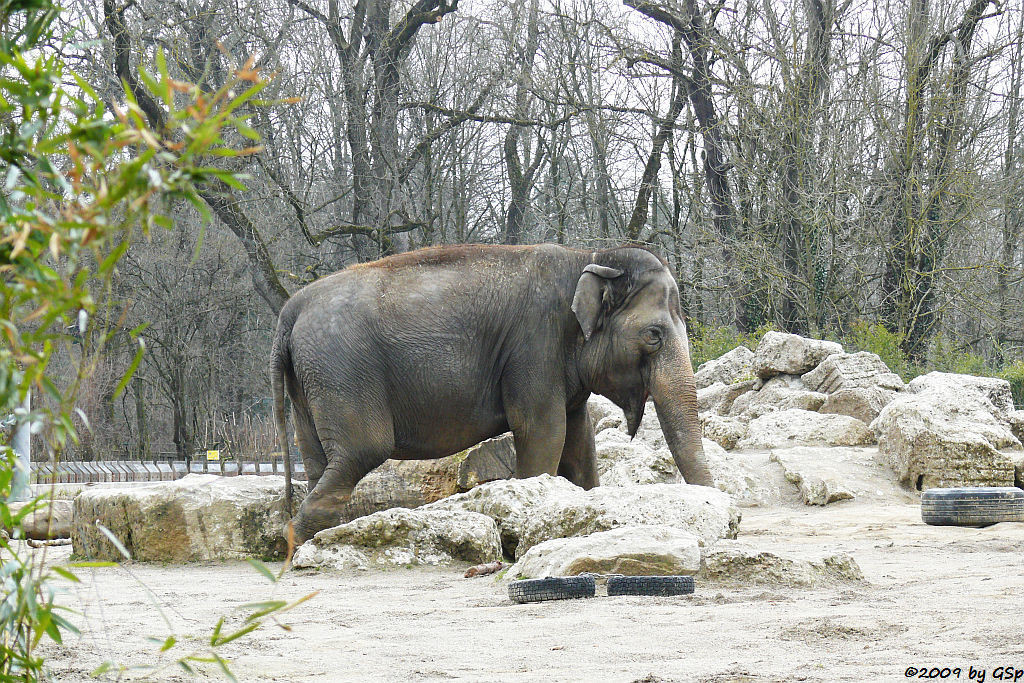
point(551, 588)
point(972, 506)
point(650, 585)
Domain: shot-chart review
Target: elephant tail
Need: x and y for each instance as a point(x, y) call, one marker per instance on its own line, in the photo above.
point(280, 363)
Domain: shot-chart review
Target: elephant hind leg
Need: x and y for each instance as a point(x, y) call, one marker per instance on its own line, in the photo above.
point(314, 459)
point(354, 444)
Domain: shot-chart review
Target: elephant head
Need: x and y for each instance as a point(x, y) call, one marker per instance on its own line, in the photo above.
point(635, 347)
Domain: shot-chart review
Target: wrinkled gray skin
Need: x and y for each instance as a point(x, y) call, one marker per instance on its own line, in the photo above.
point(424, 354)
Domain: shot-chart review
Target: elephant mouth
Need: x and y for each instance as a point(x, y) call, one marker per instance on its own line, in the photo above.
point(634, 411)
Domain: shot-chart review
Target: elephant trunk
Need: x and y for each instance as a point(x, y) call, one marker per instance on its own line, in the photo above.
point(674, 391)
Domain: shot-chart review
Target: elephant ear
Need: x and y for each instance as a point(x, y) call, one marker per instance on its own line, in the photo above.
point(591, 296)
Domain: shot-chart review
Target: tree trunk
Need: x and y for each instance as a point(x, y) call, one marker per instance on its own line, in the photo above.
point(522, 170)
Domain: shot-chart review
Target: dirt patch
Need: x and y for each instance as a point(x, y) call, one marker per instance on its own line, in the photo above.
point(931, 596)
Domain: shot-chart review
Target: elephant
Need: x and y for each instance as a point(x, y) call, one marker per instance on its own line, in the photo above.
point(423, 354)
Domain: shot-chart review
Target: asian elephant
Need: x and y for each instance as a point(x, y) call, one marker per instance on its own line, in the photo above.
point(426, 353)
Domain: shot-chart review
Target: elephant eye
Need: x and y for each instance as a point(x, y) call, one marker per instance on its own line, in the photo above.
point(652, 336)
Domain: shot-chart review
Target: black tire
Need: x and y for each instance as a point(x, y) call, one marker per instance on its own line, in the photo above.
point(551, 588)
point(973, 506)
point(650, 585)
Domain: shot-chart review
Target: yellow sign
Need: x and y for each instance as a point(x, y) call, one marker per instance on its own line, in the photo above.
point(213, 455)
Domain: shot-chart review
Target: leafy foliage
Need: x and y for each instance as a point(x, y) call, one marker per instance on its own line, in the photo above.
point(875, 338)
point(1014, 374)
point(708, 343)
point(77, 182)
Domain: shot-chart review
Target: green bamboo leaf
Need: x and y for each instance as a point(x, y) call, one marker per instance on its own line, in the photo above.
point(216, 631)
point(264, 608)
point(248, 628)
point(66, 574)
point(262, 569)
point(113, 257)
point(224, 667)
point(101, 669)
point(113, 539)
point(132, 368)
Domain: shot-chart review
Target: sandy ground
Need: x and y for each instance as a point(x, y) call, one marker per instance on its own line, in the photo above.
point(933, 597)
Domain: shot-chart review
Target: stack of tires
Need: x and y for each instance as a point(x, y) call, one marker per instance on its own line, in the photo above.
point(584, 586)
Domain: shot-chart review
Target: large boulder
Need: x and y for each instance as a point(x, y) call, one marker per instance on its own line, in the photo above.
point(643, 550)
point(401, 537)
point(857, 384)
point(795, 427)
point(947, 431)
point(789, 354)
point(781, 392)
point(718, 398)
point(706, 512)
point(412, 483)
point(734, 366)
point(511, 503)
point(851, 371)
point(198, 517)
point(740, 563)
point(50, 519)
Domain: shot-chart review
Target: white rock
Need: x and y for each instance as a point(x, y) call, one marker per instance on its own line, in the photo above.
point(863, 403)
point(821, 473)
point(511, 503)
point(734, 366)
point(646, 550)
point(610, 422)
point(741, 563)
point(1015, 420)
point(735, 475)
point(706, 512)
point(400, 537)
point(781, 392)
point(198, 517)
point(797, 427)
point(789, 354)
point(813, 476)
point(649, 432)
point(994, 390)
point(850, 371)
point(600, 407)
point(628, 464)
point(718, 398)
point(725, 431)
point(612, 435)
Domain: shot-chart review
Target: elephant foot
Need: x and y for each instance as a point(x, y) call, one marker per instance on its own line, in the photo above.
point(317, 516)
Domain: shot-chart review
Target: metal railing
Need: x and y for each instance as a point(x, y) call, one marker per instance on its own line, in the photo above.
point(153, 470)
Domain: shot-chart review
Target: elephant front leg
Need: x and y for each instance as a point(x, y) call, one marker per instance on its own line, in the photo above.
point(579, 456)
point(539, 433)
